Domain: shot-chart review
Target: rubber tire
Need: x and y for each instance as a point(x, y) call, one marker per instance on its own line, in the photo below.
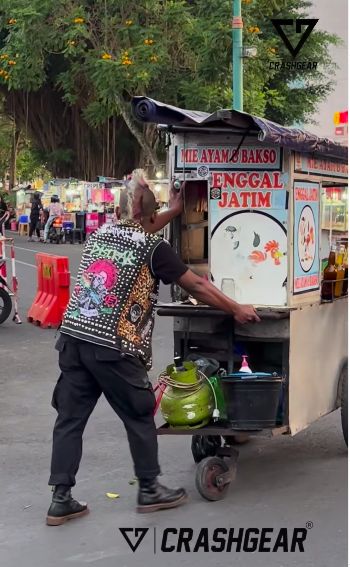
point(239, 439)
point(5, 298)
point(205, 479)
point(202, 446)
point(344, 403)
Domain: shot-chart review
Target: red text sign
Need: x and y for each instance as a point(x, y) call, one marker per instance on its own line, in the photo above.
point(247, 157)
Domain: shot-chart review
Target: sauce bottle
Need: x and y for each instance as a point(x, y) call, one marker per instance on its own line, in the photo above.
point(329, 278)
point(345, 285)
point(340, 272)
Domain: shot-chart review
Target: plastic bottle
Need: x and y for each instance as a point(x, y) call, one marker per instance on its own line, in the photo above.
point(245, 368)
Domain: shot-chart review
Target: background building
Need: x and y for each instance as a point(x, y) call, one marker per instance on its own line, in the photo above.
point(333, 17)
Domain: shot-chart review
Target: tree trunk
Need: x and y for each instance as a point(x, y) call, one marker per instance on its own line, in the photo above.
point(148, 151)
point(13, 161)
point(73, 148)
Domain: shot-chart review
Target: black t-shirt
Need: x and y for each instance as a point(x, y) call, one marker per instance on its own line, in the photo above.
point(166, 265)
point(35, 210)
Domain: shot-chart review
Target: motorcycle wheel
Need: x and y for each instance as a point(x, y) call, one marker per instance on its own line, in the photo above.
point(5, 305)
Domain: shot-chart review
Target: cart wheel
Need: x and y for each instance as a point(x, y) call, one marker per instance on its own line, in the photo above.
point(344, 403)
point(5, 305)
point(238, 439)
point(207, 481)
point(204, 446)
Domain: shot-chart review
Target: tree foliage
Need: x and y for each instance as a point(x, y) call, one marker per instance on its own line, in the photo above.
point(89, 57)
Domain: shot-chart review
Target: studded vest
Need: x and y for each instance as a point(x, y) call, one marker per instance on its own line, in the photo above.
point(113, 302)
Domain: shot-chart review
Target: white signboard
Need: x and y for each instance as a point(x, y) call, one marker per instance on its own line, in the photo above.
point(191, 157)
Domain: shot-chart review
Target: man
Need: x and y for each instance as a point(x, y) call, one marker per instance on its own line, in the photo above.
point(105, 344)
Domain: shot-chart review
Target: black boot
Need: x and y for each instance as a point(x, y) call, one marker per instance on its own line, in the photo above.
point(153, 496)
point(64, 507)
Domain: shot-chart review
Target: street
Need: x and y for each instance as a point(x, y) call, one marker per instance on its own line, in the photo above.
point(283, 482)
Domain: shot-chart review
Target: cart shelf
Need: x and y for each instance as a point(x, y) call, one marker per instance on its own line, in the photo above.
point(222, 429)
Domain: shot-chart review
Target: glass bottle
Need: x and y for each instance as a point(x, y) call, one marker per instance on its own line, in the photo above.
point(345, 262)
point(329, 278)
point(340, 272)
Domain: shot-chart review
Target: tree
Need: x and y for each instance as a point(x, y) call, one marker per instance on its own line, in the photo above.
point(70, 69)
point(31, 164)
point(6, 136)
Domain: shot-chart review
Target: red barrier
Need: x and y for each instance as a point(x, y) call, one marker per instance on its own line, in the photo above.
point(52, 292)
point(3, 267)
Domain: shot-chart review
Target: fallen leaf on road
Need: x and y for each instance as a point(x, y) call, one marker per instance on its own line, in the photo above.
point(112, 495)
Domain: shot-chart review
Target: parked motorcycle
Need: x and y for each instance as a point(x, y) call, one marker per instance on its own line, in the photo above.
point(56, 232)
point(5, 298)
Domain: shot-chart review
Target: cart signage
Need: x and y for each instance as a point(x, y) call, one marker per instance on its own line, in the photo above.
point(306, 237)
point(318, 166)
point(244, 189)
point(188, 158)
point(248, 225)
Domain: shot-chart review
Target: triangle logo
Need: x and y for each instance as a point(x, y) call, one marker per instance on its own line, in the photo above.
point(299, 24)
point(139, 534)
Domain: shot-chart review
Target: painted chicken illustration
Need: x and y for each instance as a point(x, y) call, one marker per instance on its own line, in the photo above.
point(272, 249)
point(309, 238)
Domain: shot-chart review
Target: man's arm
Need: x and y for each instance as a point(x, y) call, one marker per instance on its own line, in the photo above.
point(161, 220)
point(165, 217)
point(208, 294)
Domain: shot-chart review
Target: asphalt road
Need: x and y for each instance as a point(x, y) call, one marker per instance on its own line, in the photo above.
point(285, 482)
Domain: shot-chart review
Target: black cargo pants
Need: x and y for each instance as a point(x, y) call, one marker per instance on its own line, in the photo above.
point(87, 370)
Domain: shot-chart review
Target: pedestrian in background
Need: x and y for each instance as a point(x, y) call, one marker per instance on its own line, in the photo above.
point(3, 206)
point(35, 213)
point(55, 210)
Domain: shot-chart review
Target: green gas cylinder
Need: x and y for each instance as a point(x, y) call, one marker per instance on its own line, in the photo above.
point(187, 402)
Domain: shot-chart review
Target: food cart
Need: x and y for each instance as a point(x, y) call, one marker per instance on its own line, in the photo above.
point(256, 221)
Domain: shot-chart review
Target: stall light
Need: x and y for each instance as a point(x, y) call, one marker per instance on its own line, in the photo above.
point(158, 187)
point(344, 196)
point(159, 174)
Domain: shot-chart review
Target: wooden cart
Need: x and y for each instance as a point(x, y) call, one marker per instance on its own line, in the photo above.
point(263, 205)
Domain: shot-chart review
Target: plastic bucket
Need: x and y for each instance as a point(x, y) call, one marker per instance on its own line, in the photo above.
point(252, 403)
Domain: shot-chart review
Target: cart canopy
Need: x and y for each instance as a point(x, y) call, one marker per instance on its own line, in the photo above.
point(148, 110)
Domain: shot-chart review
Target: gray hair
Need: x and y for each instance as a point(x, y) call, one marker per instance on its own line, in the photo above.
point(127, 195)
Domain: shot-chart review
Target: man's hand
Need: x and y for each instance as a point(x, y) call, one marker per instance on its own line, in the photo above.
point(245, 314)
point(176, 202)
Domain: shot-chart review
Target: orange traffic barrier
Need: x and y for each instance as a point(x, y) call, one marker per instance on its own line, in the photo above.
point(52, 291)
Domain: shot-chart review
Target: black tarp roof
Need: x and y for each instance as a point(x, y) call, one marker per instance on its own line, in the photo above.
point(148, 110)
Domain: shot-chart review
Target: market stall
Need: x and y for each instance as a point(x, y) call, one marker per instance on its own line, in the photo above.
point(257, 222)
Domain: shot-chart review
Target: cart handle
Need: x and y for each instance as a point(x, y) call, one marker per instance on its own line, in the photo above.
point(199, 311)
